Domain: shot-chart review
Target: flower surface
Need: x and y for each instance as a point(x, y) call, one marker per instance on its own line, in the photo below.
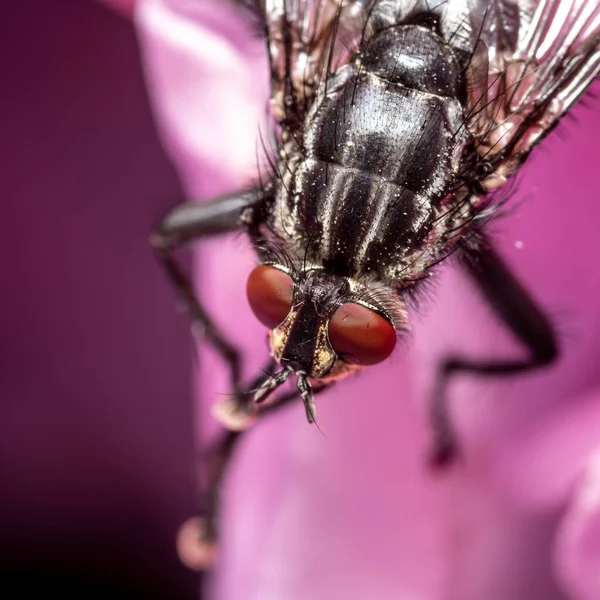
point(351, 510)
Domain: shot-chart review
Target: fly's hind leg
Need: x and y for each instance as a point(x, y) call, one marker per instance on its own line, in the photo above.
point(190, 222)
point(518, 311)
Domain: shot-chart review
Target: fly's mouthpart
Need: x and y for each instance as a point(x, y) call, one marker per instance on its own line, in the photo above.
point(272, 382)
point(305, 389)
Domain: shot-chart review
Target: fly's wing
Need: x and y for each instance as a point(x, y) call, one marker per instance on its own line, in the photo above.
point(527, 61)
point(531, 62)
point(306, 40)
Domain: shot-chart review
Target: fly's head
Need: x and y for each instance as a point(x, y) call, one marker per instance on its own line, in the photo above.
point(322, 327)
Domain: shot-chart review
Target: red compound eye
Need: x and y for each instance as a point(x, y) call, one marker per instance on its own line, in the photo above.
point(270, 294)
point(360, 336)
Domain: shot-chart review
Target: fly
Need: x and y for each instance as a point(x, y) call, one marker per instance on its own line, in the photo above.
point(399, 125)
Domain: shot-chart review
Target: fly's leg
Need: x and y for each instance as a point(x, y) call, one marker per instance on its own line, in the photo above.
point(190, 222)
point(511, 302)
point(218, 461)
point(239, 411)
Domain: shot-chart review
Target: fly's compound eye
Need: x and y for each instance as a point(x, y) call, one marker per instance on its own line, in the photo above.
point(360, 336)
point(270, 294)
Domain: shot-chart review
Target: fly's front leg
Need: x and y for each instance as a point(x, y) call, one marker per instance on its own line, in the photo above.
point(239, 411)
point(199, 552)
point(190, 222)
point(511, 302)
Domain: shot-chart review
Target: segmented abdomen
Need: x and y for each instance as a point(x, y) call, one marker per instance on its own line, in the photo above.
point(381, 148)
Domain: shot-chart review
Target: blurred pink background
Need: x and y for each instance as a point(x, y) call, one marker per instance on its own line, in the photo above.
point(352, 513)
point(96, 449)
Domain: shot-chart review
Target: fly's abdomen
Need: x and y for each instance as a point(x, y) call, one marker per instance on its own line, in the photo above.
point(381, 149)
point(416, 58)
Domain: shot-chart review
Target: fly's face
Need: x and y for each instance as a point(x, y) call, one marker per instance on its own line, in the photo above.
point(319, 324)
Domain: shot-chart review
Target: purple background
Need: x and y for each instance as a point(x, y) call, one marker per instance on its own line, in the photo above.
point(96, 449)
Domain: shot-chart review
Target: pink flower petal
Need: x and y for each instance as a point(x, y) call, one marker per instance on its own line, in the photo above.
point(578, 543)
point(209, 91)
point(355, 513)
point(540, 466)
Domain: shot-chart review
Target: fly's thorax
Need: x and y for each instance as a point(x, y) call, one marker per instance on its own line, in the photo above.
point(325, 325)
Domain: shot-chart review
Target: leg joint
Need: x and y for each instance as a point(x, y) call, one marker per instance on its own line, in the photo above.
point(160, 241)
point(547, 352)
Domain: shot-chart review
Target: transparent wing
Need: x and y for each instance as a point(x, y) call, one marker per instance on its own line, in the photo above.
point(309, 39)
point(527, 61)
point(306, 40)
point(532, 61)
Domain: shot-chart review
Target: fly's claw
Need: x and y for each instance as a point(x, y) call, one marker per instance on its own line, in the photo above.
point(196, 544)
point(443, 454)
point(235, 413)
point(238, 412)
